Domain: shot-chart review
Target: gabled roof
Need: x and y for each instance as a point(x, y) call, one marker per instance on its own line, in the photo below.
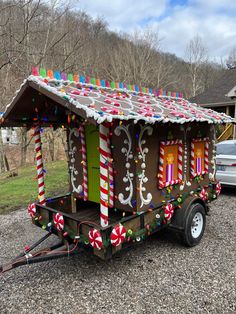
point(106, 103)
point(216, 93)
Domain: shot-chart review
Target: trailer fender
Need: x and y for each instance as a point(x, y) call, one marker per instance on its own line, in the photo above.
point(180, 214)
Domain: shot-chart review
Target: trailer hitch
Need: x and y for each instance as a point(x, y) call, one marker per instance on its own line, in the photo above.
point(58, 250)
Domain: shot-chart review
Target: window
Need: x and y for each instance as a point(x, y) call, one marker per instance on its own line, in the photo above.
point(199, 156)
point(170, 163)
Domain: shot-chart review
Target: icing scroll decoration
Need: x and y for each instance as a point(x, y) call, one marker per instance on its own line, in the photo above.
point(126, 150)
point(72, 152)
point(142, 156)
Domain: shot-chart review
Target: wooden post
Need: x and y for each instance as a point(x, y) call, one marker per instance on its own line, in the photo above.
point(39, 162)
point(73, 203)
point(227, 110)
point(234, 132)
point(104, 155)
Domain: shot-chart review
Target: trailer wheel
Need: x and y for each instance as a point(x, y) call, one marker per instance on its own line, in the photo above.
point(195, 222)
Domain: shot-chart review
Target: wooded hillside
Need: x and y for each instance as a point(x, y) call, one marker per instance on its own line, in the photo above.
point(58, 36)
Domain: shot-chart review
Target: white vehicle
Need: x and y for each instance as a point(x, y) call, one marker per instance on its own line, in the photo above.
point(226, 162)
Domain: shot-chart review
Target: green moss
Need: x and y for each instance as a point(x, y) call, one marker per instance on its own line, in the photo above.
point(17, 192)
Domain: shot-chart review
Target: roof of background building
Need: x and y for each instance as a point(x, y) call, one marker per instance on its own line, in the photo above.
point(216, 93)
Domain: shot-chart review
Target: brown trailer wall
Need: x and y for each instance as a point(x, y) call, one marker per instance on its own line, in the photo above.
point(160, 133)
point(128, 196)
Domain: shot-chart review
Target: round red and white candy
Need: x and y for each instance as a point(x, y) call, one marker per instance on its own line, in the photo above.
point(169, 211)
point(32, 210)
point(118, 235)
point(95, 239)
point(58, 221)
point(218, 188)
point(203, 195)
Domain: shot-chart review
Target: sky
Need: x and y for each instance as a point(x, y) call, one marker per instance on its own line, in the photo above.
point(176, 21)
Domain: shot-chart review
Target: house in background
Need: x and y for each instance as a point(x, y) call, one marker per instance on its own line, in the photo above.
point(9, 135)
point(221, 97)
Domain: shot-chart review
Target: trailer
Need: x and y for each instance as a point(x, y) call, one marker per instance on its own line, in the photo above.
point(139, 160)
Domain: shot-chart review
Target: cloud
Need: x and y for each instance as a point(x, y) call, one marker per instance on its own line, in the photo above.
point(177, 21)
point(123, 15)
point(214, 26)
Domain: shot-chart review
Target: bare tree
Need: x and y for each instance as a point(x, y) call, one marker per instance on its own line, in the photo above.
point(231, 61)
point(196, 57)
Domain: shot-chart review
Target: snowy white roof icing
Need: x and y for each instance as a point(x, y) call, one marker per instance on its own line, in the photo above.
point(106, 104)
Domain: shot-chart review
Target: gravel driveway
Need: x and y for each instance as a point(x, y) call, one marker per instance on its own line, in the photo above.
point(157, 276)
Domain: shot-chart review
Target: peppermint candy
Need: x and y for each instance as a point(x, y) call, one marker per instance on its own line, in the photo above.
point(58, 221)
point(169, 211)
point(95, 239)
point(218, 188)
point(118, 235)
point(32, 210)
point(203, 195)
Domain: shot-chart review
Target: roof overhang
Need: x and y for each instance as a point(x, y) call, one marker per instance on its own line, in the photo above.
point(231, 93)
point(33, 104)
point(219, 104)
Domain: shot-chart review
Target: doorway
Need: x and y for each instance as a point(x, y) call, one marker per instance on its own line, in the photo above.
point(93, 162)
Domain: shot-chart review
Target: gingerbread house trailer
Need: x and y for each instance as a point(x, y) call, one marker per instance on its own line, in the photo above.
point(139, 159)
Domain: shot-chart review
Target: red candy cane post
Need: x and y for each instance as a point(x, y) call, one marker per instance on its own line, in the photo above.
point(110, 174)
point(39, 162)
point(84, 160)
point(104, 155)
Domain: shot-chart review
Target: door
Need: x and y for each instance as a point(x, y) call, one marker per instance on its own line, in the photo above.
point(93, 162)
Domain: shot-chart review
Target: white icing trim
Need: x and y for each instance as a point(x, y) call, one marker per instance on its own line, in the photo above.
point(128, 178)
point(142, 156)
point(162, 103)
point(72, 152)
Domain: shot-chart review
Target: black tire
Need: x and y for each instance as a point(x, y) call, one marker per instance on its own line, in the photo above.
point(194, 225)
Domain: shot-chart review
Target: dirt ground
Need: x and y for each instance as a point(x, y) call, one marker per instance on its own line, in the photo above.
point(157, 276)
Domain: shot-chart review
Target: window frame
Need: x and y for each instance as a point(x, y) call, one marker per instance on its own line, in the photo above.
point(163, 144)
point(206, 156)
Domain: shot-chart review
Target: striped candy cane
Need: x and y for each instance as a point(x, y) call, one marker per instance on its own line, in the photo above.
point(110, 174)
point(39, 163)
point(180, 160)
point(192, 160)
point(206, 155)
point(84, 160)
point(161, 169)
point(104, 155)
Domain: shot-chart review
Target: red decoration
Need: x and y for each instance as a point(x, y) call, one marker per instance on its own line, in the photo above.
point(118, 235)
point(95, 239)
point(203, 195)
point(58, 221)
point(32, 210)
point(218, 188)
point(169, 211)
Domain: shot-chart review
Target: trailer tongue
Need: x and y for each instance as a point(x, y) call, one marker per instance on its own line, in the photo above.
point(49, 253)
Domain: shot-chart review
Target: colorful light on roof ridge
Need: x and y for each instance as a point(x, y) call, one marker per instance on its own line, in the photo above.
point(101, 83)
